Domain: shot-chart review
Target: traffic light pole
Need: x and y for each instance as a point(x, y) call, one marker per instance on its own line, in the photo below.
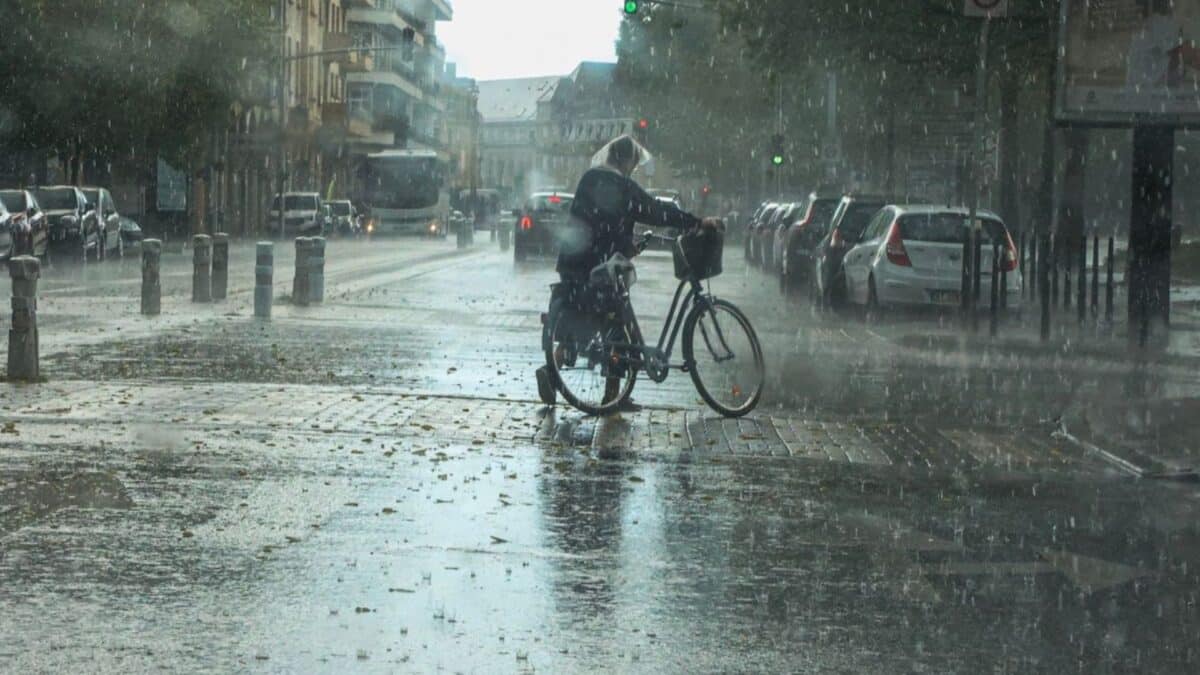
point(971, 256)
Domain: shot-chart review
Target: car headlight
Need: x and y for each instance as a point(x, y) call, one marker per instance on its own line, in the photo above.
point(433, 227)
point(370, 227)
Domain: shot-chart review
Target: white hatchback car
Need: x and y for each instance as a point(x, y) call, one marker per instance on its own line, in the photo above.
point(912, 255)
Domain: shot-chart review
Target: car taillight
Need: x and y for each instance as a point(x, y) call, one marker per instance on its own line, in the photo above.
point(526, 223)
point(896, 253)
point(1010, 254)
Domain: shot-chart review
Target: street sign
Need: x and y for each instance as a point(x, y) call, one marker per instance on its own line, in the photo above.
point(988, 9)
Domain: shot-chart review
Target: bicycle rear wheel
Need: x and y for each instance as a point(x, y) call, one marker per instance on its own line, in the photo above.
point(724, 357)
point(592, 373)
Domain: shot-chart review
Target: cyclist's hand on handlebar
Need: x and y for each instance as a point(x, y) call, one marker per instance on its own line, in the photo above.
point(715, 224)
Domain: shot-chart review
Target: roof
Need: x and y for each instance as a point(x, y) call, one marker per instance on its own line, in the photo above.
point(942, 208)
point(514, 100)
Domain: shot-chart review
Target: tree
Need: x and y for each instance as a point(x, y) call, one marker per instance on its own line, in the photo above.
point(110, 79)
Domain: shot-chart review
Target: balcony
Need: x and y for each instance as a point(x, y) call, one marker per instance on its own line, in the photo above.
point(349, 61)
point(352, 4)
point(397, 76)
point(380, 17)
point(339, 115)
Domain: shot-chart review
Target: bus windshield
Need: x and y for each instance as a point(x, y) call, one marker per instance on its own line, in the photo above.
point(402, 182)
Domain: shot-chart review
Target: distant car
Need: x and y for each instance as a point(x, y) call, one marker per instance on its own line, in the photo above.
point(344, 218)
point(540, 224)
point(110, 221)
point(827, 283)
point(912, 255)
point(74, 227)
point(765, 236)
point(794, 245)
point(748, 230)
point(754, 236)
point(302, 214)
point(25, 224)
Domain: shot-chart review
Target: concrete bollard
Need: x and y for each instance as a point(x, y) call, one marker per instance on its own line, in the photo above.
point(300, 282)
point(23, 336)
point(151, 277)
point(220, 265)
point(202, 268)
point(264, 278)
point(316, 274)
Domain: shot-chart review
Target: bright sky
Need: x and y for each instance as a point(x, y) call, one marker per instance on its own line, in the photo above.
point(497, 39)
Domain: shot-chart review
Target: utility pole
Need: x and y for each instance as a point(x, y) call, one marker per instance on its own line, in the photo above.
point(971, 257)
point(281, 99)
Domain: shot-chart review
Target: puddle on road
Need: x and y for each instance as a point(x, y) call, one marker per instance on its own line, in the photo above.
point(30, 498)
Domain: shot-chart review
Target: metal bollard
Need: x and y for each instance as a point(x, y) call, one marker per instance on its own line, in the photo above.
point(220, 265)
point(300, 282)
point(1043, 284)
point(1095, 277)
point(994, 319)
point(1082, 290)
point(23, 336)
point(201, 268)
point(264, 278)
point(1108, 291)
point(316, 275)
point(151, 277)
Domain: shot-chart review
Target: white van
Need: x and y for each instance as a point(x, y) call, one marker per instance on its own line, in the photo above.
point(302, 214)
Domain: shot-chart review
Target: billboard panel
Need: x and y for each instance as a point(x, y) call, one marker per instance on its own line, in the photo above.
point(1126, 61)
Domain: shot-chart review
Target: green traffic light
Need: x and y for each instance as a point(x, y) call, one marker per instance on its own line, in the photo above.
point(777, 160)
point(632, 6)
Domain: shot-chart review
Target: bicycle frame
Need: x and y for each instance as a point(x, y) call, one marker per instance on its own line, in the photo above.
point(670, 330)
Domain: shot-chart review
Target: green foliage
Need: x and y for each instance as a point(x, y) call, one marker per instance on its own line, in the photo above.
point(106, 78)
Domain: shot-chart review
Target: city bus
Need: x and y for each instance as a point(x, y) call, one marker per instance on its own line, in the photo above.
point(404, 192)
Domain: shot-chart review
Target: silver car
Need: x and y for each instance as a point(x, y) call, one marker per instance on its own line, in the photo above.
point(913, 255)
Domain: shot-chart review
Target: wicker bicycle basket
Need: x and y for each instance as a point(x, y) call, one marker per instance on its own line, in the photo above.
point(698, 254)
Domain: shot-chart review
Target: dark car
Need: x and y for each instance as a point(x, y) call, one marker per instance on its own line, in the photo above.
point(774, 239)
point(131, 232)
point(74, 230)
point(540, 223)
point(801, 237)
point(101, 199)
point(27, 228)
point(850, 220)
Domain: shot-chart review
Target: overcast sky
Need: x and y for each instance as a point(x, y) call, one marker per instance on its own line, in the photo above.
point(496, 39)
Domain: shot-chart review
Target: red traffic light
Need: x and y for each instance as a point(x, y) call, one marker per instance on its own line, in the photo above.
point(706, 189)
point(643, 123)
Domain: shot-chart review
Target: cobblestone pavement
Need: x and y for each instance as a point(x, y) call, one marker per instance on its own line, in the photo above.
point(368, 485)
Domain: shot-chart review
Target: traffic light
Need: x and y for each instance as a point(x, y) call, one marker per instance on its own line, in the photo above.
point(641, 130)
point(778, 156)
point(632, 7)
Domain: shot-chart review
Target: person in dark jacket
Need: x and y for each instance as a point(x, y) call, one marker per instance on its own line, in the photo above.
point(608, 203)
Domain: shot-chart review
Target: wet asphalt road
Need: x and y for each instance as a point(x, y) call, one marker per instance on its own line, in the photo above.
point(368, 486)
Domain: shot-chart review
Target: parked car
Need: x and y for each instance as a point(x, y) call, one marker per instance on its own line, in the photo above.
point(758, 232)
point(302, 214)
point(748, 233)
point(768, 236)
point(795, 242)
point(26, 225)
point(540, 223)
point(827, 284)
point(912, 255)
point(344, 218)
point(74, 226)
point(110, 221)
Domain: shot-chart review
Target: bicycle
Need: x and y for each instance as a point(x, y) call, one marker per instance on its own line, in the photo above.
point(595, 350)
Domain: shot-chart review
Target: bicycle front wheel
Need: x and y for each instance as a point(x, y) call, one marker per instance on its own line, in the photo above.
point(724, 357)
